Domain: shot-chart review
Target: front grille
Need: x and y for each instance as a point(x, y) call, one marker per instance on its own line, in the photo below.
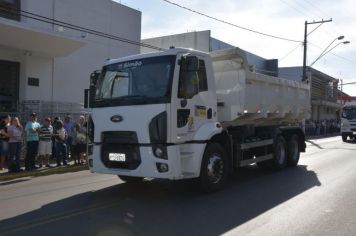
point(123, 142)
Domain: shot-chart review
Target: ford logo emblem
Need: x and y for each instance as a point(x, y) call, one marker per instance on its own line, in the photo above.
point(116, 118)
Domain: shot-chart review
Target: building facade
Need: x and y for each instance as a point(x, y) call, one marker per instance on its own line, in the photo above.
point(202, 41)
point(324, 91)
point(45, 62)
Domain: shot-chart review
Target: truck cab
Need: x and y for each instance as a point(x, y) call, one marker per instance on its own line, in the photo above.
point(348, 122)
point(148, 110)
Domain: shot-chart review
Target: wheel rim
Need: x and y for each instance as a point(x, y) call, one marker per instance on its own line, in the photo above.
point(281, 153)
point(215, 168)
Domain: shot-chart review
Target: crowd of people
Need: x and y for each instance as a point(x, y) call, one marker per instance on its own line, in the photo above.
point(322, 127)
point(58, 139)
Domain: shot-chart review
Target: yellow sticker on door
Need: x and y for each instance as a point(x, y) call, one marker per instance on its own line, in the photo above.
point(200, 111)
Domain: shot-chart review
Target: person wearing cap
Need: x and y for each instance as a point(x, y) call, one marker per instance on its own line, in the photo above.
point(45, 144)
point(32, 138)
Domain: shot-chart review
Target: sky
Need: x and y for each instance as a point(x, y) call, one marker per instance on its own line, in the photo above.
point(283, 18)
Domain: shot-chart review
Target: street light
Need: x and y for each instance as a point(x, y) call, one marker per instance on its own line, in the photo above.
point(326, 51)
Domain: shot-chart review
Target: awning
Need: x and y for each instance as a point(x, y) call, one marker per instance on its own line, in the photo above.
point(18, 36)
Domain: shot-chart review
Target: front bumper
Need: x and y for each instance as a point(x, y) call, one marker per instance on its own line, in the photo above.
point(147, 167)
point(183, 162)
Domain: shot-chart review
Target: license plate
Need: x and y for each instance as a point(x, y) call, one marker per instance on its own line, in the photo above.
point(120, 157)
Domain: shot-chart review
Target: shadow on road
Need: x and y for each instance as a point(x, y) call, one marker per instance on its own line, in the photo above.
point(314, 144)
point(165, 208)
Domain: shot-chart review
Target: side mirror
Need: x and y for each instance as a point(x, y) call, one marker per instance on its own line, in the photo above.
point(94, 77)
point(89, 94)
point(191, 63)
point(86, 98)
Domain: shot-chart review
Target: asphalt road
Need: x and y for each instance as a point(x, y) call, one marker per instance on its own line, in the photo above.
point(316, 198)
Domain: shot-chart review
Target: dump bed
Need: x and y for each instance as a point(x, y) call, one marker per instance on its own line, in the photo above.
point(247, 97)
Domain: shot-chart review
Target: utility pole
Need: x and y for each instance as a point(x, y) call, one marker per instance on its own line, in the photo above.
point(306, 23)
point(341, 85)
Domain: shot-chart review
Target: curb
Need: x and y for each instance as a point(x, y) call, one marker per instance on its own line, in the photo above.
point(43, 172)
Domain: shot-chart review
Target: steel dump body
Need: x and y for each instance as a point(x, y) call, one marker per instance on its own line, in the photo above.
point(245, 97)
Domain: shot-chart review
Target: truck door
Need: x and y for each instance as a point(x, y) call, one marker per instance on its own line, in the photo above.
point(193, 103)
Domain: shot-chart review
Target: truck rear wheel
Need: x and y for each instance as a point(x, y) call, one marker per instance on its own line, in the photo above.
point(293, 152)
point(279, 160)
point(214, 168)
point(130, 179)
point(344, 137)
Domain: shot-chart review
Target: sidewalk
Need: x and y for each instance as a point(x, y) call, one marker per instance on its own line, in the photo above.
point(5, 175)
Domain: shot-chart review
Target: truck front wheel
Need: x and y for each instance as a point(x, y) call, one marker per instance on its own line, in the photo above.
point(130, 179)
point(344, 137)
point(214, 168)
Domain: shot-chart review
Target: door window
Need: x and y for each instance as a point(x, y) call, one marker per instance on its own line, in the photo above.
point(192, 82)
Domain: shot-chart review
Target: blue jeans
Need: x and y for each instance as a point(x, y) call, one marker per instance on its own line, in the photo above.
point(15, 152)
point(4, 148)
point(61, 153)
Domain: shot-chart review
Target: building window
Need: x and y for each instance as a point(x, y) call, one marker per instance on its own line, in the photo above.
point(33, 81)
point(10, 9)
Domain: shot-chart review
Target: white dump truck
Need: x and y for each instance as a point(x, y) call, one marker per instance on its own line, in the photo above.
point(183, 114)
point(348, 120)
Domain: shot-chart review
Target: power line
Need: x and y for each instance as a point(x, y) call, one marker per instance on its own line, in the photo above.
point(48, 20)
point(290, 52)
point(322, 12)
point(231, 24)
point(336, 55)
point(304, 13)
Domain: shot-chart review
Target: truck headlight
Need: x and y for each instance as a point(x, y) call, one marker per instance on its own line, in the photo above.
point(344, 124)
point(160, 151)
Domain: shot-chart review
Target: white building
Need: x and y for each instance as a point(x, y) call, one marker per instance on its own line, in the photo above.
point(50, 64)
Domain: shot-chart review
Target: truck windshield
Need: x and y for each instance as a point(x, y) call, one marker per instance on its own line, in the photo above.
point(136, 82)
point(349, 113)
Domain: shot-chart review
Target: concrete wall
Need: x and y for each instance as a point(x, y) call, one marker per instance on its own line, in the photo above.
point(196, 40)
point(70, 74)
point(202, 41)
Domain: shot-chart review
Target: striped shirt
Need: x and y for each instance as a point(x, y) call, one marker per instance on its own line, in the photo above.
point(46, 133)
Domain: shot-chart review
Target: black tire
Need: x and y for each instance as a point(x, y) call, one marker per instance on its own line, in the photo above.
point(130, 179)
point(344, 137)
point(293, 150)
point(279, 160)
point(214, 168)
